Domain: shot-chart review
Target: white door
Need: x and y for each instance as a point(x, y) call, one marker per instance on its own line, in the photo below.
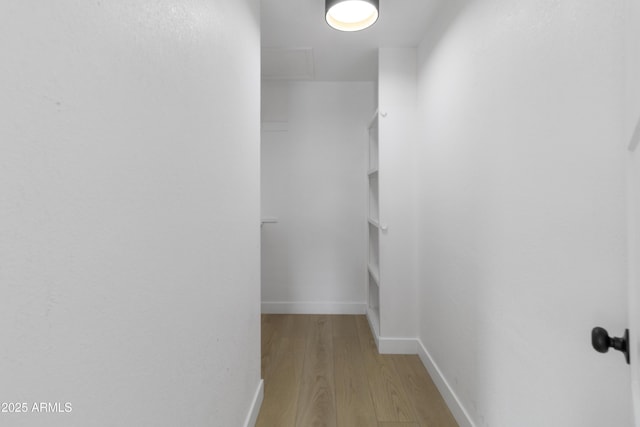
point(632, 119)
point(634, 268)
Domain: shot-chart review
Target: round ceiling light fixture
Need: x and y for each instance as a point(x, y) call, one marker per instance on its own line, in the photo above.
point(351, 15)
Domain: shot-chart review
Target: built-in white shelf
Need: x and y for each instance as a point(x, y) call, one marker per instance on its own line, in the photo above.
point(373, 314)
point(374, 206)
point(373, 123)
point(373, 154)
point(374, 246)
point(373, 143)
point(373, 266)
point(375, 274)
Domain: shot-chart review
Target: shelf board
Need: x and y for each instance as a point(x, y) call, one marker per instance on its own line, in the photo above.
point(374, 273)
point(372, 171)
point(374, 222)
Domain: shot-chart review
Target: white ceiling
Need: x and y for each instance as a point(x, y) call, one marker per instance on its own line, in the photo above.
point(295, 35)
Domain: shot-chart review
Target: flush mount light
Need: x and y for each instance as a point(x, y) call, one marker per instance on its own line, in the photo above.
point(351, 15)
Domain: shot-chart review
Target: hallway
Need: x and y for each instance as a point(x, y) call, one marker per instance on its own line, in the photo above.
point(324, 370)
point(177, 176)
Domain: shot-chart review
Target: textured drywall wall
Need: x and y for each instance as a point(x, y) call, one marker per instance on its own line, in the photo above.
point(397, 128)
point(129, 209)
point(522, 237)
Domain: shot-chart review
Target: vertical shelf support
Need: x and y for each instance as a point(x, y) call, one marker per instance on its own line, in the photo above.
point(373, 281)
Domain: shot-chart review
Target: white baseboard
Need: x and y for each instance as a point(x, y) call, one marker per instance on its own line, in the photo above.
point(299, 307)
point(390, 345)
point(256, 404)
point(455, 406)
point(415, 346)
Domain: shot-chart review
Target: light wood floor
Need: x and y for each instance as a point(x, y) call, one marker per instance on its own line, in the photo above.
point(325, 371)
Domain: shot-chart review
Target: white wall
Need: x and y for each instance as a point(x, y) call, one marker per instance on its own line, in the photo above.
point(129, 208)
point(397, 124)
point(522, 246)
point(314, 183)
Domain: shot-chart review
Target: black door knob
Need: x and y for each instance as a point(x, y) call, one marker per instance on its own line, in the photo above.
point(601, 342)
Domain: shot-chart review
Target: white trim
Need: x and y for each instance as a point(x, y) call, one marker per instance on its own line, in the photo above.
point(300, 307)
point(390, 345)
point(256, 404)
point(415, 346)
point(455, 406)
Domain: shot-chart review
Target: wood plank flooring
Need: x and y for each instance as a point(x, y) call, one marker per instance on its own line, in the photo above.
point(325, 371)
